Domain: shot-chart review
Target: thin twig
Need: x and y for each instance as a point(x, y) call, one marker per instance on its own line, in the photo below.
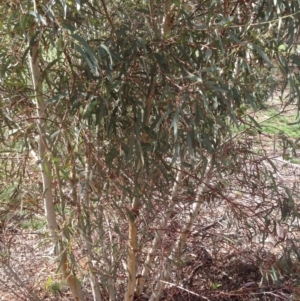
point(108, 17)
point(184, 289)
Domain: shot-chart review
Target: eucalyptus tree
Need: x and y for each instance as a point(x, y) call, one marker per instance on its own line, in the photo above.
point(134, 100)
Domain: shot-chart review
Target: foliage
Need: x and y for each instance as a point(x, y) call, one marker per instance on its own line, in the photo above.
point(53, 286)
point(136, 93)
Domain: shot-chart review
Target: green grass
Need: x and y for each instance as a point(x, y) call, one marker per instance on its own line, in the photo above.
point(34, 224)
point(295, 161)
point(53, 286)
point(279, 124)
point(272, 122)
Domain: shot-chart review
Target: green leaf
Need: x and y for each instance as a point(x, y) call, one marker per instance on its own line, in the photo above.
point(210, 13)
point(111, 155)
point(257, 125)
point(234, 37)
point(47, 69)
point(56, 98)
point(68, 26)
point(109, 53)
point(24, 56)
point(190, 139)
point(295, 59)
point(217, 88)
point(10, 20)
point(176, 2)
point(263, 55)
point(85, 57)
point(89, 109)
point(130, 149)
point(91, 55)
point(39, 17)
point(142, 10)
point(55, 134)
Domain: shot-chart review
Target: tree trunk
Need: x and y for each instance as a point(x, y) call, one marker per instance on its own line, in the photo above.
point(131, 261)
point(176, 250)
point(86, 227)
point(72, 281)
point(158, 235)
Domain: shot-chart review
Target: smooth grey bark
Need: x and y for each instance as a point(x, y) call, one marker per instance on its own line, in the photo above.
point(50, 214)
